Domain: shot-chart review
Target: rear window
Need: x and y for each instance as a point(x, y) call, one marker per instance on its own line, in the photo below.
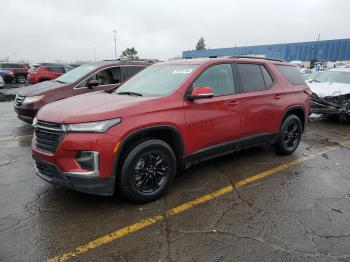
point(251, 77)
point(57, 69)
point(267, 77)
point(129, 71)
point(292, 74)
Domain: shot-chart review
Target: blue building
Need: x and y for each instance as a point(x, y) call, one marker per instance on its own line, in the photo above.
point(327, 50)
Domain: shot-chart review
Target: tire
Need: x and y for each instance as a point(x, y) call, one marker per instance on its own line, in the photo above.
point(148, 171)
point(21, 78)
point(289, 136)
point(7, 80)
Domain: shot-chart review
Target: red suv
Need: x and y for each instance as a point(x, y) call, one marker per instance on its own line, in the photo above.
point(43, 72)
point(169, 116)
point(83, 79)
point(14, 71)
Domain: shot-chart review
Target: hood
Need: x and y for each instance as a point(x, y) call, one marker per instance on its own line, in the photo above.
point(93, 107)
point(39, 88)
point(324, 89)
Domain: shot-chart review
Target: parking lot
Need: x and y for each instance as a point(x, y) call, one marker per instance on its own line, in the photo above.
point(247, 206)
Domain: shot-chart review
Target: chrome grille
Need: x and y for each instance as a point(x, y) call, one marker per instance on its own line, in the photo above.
point(47, 135)
point(19, 100)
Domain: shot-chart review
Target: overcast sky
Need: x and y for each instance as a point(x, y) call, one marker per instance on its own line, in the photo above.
point(68, 30)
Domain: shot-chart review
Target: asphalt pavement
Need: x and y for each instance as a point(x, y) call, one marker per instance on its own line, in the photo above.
point(248, 206)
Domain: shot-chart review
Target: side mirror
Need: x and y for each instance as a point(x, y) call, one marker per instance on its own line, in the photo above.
point(92, 83)
point(201, 92)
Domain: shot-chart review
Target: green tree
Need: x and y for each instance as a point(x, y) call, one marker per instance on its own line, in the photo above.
point(130, 54)
point(201, 44)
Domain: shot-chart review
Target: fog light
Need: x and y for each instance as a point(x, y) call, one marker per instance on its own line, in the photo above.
point(88, 160)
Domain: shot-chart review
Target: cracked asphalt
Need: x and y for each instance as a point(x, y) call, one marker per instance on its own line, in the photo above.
point(299, 214)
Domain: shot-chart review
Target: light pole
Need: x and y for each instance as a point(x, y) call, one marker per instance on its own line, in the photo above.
point(115, 43)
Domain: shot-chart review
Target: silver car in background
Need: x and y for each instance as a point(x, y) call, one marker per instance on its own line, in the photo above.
point(331, 93)
point(2, 83)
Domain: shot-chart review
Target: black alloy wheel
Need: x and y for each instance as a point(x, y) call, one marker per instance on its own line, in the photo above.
point(21, 78)
point(151, 171)
point(290, 135)
point(147, 171)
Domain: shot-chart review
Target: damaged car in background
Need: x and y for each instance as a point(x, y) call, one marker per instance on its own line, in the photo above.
point(331, 94)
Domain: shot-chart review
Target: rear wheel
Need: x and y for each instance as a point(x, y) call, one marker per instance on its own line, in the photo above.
point(148, 171)
point(290, 135)
point(21, 78)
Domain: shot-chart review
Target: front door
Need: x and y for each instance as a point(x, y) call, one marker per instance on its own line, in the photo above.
point(214, 120)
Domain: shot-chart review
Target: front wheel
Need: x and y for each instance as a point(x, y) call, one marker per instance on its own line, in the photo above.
point(290, 135)
point(148, 171)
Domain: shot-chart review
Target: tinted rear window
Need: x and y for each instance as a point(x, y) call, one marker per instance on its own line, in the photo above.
point(129, 71)
point(57, 69)
point(251, 77)
point(267, 77)
point(292, 74)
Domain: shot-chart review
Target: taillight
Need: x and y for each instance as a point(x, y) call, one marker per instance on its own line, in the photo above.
point(308, 91)
point(32, 72)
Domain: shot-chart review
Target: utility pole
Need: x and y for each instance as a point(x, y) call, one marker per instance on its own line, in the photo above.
point(115, 43)
point(95, 53)
point(317, 49)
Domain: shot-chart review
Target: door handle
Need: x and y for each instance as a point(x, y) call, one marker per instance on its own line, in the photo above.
point(233, 103)
point(277, 97)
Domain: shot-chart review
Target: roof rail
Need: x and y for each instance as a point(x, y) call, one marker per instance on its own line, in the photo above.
point(136, 60)
point(257, 57)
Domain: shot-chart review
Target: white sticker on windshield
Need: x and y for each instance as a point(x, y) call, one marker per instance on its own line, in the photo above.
point(182, 71)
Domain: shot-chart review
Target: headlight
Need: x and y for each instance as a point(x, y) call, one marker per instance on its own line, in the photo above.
point(101, 126)
point(32, 99)
point(35, 120)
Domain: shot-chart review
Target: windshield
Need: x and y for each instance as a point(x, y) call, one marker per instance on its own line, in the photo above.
point(158, 80)
point(333, 77)
point(75, 74)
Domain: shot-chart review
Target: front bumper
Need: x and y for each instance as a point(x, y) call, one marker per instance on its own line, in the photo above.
point(332, 106)
point(63, 168)
point(25, 114)
point(90, 185)
point(32, 79)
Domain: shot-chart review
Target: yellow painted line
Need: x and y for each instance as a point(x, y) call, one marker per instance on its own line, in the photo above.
point(183, 207)
point(14, 137)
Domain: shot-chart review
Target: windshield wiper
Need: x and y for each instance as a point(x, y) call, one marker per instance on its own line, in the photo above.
point(59, 81)
point(315, 80)
point(129, 93)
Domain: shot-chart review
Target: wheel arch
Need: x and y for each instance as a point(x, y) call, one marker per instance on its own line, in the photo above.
point(167, 133)
point(298, 111)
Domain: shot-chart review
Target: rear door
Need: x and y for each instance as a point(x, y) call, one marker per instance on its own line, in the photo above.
point(261, 99)
point(216, 120)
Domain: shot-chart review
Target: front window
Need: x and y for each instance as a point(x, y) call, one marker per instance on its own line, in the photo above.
point(107, 76)
point(333, 77)
point(158, 80)
point(75, 74)
point(219, 78)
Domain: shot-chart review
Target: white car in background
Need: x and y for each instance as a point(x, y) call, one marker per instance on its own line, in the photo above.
point(331, 93)
point(2, 83)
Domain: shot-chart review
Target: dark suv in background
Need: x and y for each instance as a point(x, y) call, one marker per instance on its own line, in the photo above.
point(14, 71)
point(83, 79)
point(46, 71)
